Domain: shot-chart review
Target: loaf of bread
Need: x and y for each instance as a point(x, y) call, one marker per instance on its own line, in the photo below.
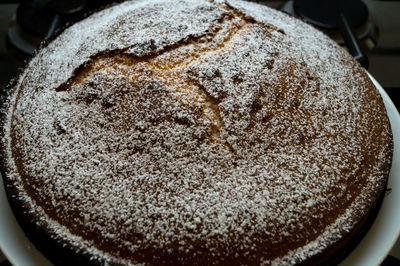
point(193, 133)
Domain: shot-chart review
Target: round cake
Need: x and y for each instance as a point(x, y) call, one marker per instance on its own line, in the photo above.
point(193, 133)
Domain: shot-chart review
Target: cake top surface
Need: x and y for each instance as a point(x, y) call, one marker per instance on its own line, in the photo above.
point(222, 128)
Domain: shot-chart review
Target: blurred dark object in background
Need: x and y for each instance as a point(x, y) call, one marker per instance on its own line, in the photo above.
point(25, 24)
point(36, 20)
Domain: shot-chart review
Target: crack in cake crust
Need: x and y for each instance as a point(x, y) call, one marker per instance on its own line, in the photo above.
point(157, 64)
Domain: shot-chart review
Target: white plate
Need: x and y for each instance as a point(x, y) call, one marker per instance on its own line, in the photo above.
point(372, 250)
point(385, 230)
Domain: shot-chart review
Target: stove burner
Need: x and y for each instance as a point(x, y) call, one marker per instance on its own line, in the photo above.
point(36, 20)
point(20, 42)
point(346, 22)
point(69, 7)
point(35, 17)
point(326, 14)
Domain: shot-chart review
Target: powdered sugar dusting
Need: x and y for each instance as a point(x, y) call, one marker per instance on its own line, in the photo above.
point(220, 131)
